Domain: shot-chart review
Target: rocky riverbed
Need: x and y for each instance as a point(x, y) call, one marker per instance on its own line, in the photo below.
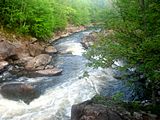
point(42, 81)
point(21, 56)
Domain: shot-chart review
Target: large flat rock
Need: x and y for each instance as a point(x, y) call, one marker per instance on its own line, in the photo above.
point(49, 72)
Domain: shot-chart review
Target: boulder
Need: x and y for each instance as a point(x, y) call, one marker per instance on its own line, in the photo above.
point(6, 50)
point(38, 61)
point(19, 91)
point(50, 49)
point(89, 111)
point(89, 39)
point(35, 49)
point(25, 50)
point(25, 58)
point(49, 72)
point(3, 55)
point(22, 51)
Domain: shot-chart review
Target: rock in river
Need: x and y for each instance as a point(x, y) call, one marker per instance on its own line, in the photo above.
point(89, 40)
point(49, 72)
point(19, 91)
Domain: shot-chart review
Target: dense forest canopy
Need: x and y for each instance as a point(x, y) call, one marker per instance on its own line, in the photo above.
point(40, 18)
point(135, 40)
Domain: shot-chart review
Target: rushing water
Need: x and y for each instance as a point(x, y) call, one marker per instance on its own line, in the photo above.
point(59, 93)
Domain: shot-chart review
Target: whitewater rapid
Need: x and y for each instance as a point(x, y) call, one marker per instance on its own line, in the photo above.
point(59, 93)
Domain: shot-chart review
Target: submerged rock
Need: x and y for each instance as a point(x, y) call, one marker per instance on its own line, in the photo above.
point(19, 91)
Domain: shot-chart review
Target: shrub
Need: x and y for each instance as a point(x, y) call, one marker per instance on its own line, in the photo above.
point(35, 17)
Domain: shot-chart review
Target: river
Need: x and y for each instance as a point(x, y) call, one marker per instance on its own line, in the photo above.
point(59, 93)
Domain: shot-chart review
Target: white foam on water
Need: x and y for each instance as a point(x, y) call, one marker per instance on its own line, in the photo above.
point(71, 47)
point(56, 102)
point(118, 63)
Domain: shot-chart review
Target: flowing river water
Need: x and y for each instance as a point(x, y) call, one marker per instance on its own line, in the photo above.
point(59, 93)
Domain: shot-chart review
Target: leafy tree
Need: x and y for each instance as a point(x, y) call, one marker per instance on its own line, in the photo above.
point(40, 18)
point(28, 16)
point(135, 39)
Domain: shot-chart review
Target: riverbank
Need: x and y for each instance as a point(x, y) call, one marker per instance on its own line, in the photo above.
point(70, 29)
point(108, 108)
point(25, 56)
point(113, 107)
point(23, 52)
point(52, 96)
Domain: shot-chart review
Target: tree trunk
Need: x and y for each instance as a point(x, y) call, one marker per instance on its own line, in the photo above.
point(142, 4)
point(143, 10)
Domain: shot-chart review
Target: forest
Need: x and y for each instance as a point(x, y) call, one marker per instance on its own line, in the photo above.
point(132, 36)
point(135, 40)
point(41, 18)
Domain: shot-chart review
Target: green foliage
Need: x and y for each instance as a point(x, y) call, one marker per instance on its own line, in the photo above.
point(118, 96)
point(98, 99)
point(40, 18)
point(79, 14)
point(85, 11)
point(135, 39)
point(33, 17)
point(138, 106)
point(133, 106)
point(85, 74)
point(59, 16)
point(110, 102)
